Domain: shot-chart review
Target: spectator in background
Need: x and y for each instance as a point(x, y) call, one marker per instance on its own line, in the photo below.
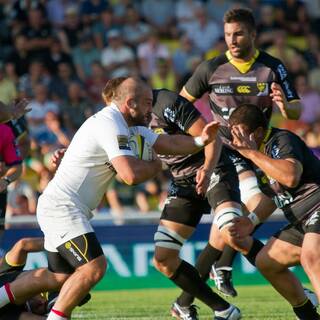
point(20, 56)
point(297, 65)
point(8, 90)
point(159, 14)
point(58, 86)
point(216, 9)
point(164, 77)
point(117, 59)
point(310, 99)
point(95, 84)
point(56, 11)
point(134, 30)
point(37, 74)
point(314, 75)
point(149, 52)
point(56, 56)
point(72, 31)
point(76, 108)
point(17, 188)
point(38, 33)
point(266, 26)
point(91, 9)
point(280, 49)
point(203, 32)
point(181, 57)
point(185, 12)
point(84, 55)
point(101, 28)
point(41, 105)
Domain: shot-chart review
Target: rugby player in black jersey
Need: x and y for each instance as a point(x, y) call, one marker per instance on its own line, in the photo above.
point(243, 74)
point(292, 173)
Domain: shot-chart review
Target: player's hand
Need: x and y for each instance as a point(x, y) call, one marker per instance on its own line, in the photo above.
point(20, 108)
point(3, 168)
point(202, 181)
point(57, 157)
point(241, 227)
point(242, 141)
point(279, 98)
point(209, 132)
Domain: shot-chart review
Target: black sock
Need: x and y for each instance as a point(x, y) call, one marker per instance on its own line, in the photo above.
point(252, 254)
point(187, 278)
point(204, 262)
point(227, 257)
point(306, 311)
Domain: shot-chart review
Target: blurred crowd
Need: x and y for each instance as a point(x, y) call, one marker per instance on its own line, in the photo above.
point(60, 53)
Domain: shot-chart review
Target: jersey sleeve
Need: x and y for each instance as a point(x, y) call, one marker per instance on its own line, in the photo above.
point(10, 152)
point(198, 84)
point(148, 134)
point(287, 146)
point(282, 77)
point(113, 138)
point(182, 114)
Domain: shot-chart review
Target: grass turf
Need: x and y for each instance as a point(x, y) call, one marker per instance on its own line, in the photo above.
point(255, 302)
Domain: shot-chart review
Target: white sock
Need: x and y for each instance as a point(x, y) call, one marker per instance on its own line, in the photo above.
point(6, 295)
point(224, 313)
point(56, 315)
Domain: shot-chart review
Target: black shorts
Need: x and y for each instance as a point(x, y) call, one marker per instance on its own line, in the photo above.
point(183, 204)
point(3, 206)
point(294, 234)
point(225, 186)
point(74, 253)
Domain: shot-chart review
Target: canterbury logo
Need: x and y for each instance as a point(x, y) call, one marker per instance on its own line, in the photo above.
point(243, 89)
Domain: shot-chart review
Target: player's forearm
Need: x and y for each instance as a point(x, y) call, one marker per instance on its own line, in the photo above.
point(145, 170)
point(283, 171)
point(176, 145)
point(14, 172)
point(293, 110)
point(212, 154)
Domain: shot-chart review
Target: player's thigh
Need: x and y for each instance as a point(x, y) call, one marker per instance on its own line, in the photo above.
point(280, 252)
point(311, 241)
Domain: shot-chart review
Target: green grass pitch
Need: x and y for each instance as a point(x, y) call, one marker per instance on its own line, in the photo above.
point(256, 302)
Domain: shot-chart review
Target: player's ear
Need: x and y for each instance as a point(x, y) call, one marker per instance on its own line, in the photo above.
point(132, 104)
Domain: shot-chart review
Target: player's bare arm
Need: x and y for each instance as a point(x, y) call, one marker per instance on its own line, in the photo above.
point(133, 171)
point(289, 110)
point(18, 254)
point(286, 171)
point(180, 144)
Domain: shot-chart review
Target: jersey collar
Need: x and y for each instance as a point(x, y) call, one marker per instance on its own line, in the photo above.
point(243, 67)
point(265, 139)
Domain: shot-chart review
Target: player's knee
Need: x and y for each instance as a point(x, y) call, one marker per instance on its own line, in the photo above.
point(310, 258)
point(249, 187)
point(223, 217)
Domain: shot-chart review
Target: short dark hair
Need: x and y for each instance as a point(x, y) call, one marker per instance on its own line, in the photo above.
point(249, 115)
point(242, 15)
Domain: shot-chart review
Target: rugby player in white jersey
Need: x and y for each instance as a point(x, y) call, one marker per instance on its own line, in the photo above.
point(97, 152)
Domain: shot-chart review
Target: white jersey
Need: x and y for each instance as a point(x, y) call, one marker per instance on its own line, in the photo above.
point(85, 171)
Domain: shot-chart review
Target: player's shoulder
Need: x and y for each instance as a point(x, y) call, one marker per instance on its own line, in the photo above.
point(5, 131)
point(214, 63)
point(269, 60)
point(283, 135)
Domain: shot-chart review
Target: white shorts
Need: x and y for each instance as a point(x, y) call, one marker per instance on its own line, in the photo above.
point(60, 222)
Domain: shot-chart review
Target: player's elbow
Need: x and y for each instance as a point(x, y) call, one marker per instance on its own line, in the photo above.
point(292, 180)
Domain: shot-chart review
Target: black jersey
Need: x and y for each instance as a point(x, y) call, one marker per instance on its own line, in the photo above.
point(173, 114)
point(6, 267)
point(231, 84)
point(19, 127)
point(297, 203)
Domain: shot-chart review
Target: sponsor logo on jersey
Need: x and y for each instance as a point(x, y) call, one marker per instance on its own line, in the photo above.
point(263, 88)
point(282, 71)
point(244, 79)
point(223, 89)
point(288, 90)
point(123, 142)
point(275, 152)
point(243, 89)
